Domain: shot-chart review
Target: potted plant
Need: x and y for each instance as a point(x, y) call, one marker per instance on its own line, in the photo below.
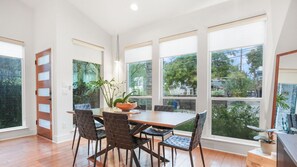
point(111, 89)
point(267, 141)
point(124, 103)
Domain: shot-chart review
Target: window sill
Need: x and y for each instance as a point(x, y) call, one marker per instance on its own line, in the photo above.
point(13, 129)
point(225, 140)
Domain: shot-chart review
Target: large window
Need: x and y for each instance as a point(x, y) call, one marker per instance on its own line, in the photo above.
point(83, 74)
point(139, 74)
point(236, 53)
point(11, 56)
point(179, 73)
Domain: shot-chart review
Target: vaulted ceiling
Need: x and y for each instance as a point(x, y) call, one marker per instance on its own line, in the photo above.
point(115, 16)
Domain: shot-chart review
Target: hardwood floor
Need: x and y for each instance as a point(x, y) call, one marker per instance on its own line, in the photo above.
point(35, 151)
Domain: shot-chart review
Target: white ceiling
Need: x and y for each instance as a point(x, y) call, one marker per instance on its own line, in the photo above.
point(115, 16)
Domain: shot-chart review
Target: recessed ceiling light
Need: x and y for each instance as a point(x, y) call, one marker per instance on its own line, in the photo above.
point(134, 7)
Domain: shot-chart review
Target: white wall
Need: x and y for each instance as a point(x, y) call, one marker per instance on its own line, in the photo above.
point(288, 40)
point(73, 24)
point(16, 22)
point(200, 20)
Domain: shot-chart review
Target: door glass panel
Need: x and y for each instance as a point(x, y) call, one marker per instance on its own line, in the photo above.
point(44, 123)
point(43, 60)
point(43, 76)
point(43, 92)
point(44, 108)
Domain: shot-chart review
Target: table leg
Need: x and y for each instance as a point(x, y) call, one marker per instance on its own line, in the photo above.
point(153, 153)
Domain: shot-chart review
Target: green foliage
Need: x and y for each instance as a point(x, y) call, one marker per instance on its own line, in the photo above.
point(181, 70)
point(221, 65)
point(231, 120)
point(255, 59)
point(141, 70)
point(84, 72)
point(11, 92)
point(281, 101)
point(123, 99)
point(238, 84)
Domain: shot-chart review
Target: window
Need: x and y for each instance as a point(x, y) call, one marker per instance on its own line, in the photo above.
point(139, 74)
point(11, 69)
point(179, 73)
point(236, 53)
point(83, 74)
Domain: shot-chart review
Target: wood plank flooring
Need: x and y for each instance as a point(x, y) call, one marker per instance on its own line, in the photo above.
point(35, 151)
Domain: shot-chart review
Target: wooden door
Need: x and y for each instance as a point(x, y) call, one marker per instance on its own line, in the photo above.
point(43, 94)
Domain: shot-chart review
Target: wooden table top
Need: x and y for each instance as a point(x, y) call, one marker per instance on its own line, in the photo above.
point(157, 118)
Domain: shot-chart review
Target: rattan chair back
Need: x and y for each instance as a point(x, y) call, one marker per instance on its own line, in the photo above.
point(117, 130)
point(163, 108)
point(198, 128)
point(85, 124)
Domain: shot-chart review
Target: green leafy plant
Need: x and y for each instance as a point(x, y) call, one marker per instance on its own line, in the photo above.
point(281, 101)
point(109, 88)
point(268, 138)
point(123, 99)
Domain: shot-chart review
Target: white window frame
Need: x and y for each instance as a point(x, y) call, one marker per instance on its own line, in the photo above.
point(245, 99)
point(149, 43)
point(22, 44)
point(161, 93)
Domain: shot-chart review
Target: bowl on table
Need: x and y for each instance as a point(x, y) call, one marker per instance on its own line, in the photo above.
point(125, 107)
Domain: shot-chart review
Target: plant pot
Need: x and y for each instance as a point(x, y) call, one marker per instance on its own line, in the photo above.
point(125, 107)
point(267, 148)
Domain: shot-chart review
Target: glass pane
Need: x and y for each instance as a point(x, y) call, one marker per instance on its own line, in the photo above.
point(43, 76)
point(180, 75)
point(44, 123)
point(44, 108)
point(187, 106)
point(181, 105)
point(286, 104)
point(237, 72)
point(43, 60)
point(230, 118)
point(140, 78)
point(43, 92)
point(142, 102)
point(83, 74)
point(11, 92)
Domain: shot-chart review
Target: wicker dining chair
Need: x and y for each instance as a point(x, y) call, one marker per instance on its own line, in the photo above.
point(292, 123)
point(158, 130)
point(120, 136)
point(87, 130)
point(85, 106)
point(186, 143)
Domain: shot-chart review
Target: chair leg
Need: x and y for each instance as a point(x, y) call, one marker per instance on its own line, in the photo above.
point(106, 154)
point(100, 145)
point(151, 153)
point(76, 150)
point(126, 156)
point(201, 152)
point(191, 157)
point(119, 154)
point(159, 155)
point(153, 141)
point(139, 147)
point(163, 147)
point(172, 156)
point(131, 156)
point(75, 129)
point(95, 155)
point(174, 148)
point(88, 147)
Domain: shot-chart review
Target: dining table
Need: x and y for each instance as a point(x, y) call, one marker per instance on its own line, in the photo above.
point(144, 119)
